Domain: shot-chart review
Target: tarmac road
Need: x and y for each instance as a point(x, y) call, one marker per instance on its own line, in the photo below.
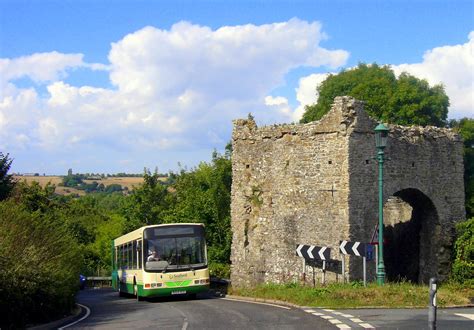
point(108, 311)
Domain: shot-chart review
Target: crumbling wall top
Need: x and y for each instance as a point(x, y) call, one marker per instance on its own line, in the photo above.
point(346, 115)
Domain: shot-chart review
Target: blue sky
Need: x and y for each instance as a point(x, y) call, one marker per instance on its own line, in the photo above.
point(115, 86)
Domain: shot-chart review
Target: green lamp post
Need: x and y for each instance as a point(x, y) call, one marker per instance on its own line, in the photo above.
point(381, 135)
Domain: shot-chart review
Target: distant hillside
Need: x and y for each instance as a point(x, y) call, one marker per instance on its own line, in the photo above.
point(129, 182)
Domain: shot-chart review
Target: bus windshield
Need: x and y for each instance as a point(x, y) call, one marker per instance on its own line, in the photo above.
point(174, 248)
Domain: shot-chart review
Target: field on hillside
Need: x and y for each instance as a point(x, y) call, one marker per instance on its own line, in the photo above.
point(129, 182)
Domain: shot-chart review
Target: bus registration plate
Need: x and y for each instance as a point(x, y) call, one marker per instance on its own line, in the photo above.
point(178, 292)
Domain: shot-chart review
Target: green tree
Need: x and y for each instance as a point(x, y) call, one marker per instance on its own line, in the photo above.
point(39, 267)
point(203, 195)
point(405, 100)
point(36, 198)
point(465, 127)
point(73, 180)
point(6, 181)
point(146, 204)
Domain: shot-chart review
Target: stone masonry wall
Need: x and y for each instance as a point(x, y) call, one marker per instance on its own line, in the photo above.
point(316, 184)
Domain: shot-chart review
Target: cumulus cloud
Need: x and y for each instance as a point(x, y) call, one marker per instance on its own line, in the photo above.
point(452, 66)
point(43, 67)
point(176, 88)
point(306, 92)
point(280, 104)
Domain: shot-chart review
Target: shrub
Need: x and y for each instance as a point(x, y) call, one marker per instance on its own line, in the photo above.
point(463, 265)
point(39, 267)
point(219, 270)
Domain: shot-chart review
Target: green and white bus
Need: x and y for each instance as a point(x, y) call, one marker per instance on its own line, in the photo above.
point(161, 260)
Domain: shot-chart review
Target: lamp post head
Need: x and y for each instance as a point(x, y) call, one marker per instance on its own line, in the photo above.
point(381, 135)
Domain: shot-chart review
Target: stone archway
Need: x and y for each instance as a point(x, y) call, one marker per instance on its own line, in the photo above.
point(411, 231)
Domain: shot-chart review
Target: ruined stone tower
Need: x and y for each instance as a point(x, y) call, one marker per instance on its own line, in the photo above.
point(316, 184)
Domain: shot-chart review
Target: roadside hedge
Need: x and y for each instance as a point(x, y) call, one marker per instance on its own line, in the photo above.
point(39, 267)
point(463, 265)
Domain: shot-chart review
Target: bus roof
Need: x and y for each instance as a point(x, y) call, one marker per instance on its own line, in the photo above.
point(138, 233)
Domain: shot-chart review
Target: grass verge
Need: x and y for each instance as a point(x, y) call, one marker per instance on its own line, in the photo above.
point(355, 295)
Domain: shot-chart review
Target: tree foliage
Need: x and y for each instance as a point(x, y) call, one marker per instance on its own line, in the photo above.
point(39, 266)
point(405, 100)
point(6, 181)
point(203, 195)
point(147, 203)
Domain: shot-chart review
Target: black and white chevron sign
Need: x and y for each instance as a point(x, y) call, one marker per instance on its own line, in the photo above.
point(313, 252)
point(354, 248)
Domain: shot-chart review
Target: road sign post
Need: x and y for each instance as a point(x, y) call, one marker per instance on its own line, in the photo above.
point(324, 271)
point(357, 249)
point(343, 268)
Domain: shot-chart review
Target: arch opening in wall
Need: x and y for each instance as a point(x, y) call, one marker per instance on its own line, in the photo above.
point(410, 233)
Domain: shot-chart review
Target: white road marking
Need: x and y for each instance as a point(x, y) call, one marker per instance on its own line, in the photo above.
point(185, 324)
point(88, 312)
point(356, 320)
point(317, 314)
point(366, 326)
point(334, 321)
point(468, 316)
point(256, 302)
point(347, 315)
point(330, 318)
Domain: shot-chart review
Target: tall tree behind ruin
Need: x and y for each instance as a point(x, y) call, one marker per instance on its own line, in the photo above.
point(405, 100)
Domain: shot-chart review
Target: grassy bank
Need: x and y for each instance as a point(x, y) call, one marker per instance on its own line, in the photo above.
point(392, 295)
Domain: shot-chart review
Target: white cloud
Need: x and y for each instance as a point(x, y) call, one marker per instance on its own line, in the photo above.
point(452, 66)
point(39, 67)
point(281, 104)
point(306, 92)
point(176, 88)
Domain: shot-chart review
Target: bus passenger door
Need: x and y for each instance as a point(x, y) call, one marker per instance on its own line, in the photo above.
point(114, 266)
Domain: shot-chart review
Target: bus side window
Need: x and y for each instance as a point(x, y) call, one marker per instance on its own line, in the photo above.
point(139, 254)
point(130, 256)
point(124, 256)
point(134, 254)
